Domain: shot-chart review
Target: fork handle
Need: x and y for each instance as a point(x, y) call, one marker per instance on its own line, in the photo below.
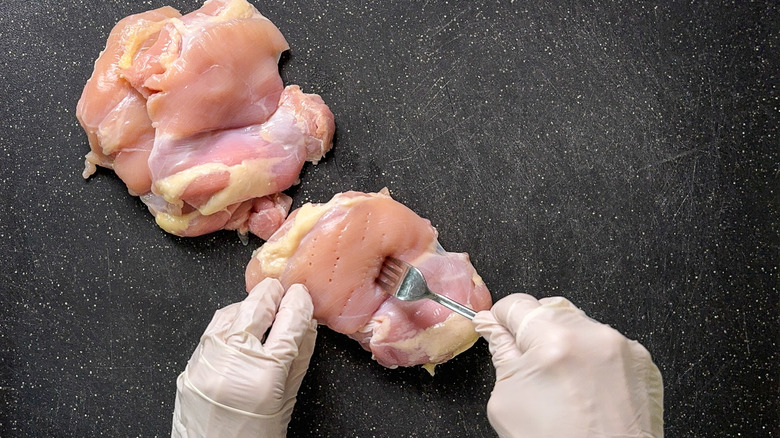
point(453, 305)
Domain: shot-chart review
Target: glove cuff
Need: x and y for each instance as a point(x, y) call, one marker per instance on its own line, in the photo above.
point(204, 417)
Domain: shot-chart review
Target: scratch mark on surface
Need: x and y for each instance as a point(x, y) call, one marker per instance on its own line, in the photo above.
point(436, 182)
point(687, 370)
point(715, 379)
point(547, 79)
point(447, 24)
point(435, 95)
point(410, 137)
point(745, 333)
point(672, 158)
point(681, 206)
point(456, 125)
point(397, 160)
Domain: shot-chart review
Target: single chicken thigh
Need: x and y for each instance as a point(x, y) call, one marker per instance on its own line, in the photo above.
point(337, 249)
point(191, 113)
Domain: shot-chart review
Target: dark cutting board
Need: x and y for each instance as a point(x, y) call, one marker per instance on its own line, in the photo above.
point(621, 154)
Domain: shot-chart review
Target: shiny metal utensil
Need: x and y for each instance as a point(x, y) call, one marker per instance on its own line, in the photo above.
point(405, 282)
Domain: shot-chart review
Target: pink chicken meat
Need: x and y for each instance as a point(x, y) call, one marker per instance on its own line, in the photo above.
point(337, 249)
point(191, 113)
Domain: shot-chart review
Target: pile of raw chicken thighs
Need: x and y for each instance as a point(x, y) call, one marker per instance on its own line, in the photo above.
point(191, 113)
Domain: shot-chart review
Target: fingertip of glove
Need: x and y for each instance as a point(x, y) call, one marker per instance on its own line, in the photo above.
point(514, 298)
point(486, 325)
point(511, 310)
point(296, 304)
point(299, 287)
point(268, 284)
point(483, 318)
point(556, 302)
point(298, 296)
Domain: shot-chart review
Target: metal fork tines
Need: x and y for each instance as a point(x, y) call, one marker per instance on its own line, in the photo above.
point(405, 282)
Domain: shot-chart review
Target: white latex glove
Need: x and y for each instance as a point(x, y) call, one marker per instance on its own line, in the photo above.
point(237, 385)
point(561, 374)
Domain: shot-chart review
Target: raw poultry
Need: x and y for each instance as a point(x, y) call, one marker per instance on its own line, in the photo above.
point(191, 113)
point(336, 249)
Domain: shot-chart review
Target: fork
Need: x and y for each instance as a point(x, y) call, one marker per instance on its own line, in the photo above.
point(405, 282)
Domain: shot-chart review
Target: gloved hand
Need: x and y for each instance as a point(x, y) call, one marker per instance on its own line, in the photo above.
point(238, 385)
point(562, 374)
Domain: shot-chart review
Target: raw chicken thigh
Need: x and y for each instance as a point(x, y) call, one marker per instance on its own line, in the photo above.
point(337, 249)
point(191, 113)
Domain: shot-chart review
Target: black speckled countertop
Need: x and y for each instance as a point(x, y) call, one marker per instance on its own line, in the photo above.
point(622, 154)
